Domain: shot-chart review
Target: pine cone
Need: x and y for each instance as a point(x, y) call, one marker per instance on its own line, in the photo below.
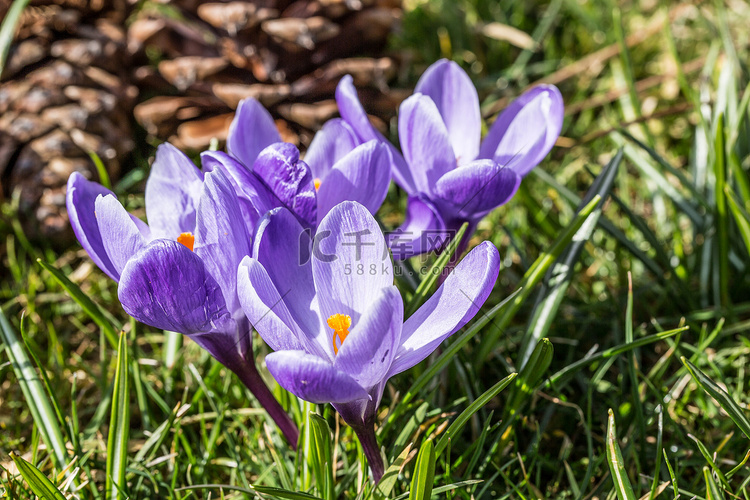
point(72, 80)
point(63, 93)
point(287, 54)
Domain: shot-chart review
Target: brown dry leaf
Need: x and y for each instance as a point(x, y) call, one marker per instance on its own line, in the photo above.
point(513, 36)
point(268, 95)
point(234, 17)
point(197, 134)
point(303, 32)
point(182, 72)
point(311, 116)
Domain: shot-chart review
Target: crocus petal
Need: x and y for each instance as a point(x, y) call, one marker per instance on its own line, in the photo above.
point(265, 308)
point(526, 130)
point(457, 300)
point(368, 351)
point(120, 235)
point(423, 230)
point(254, 196)
point(456, 99)
point(172, 193)
point(354, 114)
point(424, 140)
point(282, 246)
point(80, 199)
point(331, 143)
point(289, 179)
point(252, 130)
point(221, 239)
point(471, 191)
point(350, 261)
point(312, 378)
point(362, 175)
point(165, 285)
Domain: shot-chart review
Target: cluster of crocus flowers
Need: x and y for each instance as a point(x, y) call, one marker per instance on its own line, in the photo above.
point(263, 239)
point(329, 310)
point(450, 176)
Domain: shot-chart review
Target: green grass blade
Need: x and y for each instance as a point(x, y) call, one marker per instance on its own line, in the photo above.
point(712, 489)
point(425, 287)
point(616, 465)
point(442, 361)
point(740, 466)
point(34, 392)
point(720, 395)
point(664, 185)
point(707, 455)
point(119, 425)
point(443, 489)
point(253, 490)
point(533, 276)
point(172, 346)
point(632, 370)
point(88, 306)
point(38, 482)
point(8, 29)
point(604, 223)
point(573, 368)
point(474, 407)
point(383, 489)
point(529, 377)
point(659, 432)
point(695, 194)
point(561, 274)
point(675, 487)
point(721, 222)
point(424, 473)
point(52, 397)
point(322, 457)
point(741, 217)
point(101, 169)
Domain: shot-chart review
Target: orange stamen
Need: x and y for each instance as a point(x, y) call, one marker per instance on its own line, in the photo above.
point(340, 324)
point(317, 183)
point(186, 239)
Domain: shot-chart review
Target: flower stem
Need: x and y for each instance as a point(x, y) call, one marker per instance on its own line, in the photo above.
point(369, 441)
point(253, 381)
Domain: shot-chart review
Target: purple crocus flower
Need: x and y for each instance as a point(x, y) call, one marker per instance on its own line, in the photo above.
point(178, 273)
point(449, 176)
point(267, 173)
point(330, 311)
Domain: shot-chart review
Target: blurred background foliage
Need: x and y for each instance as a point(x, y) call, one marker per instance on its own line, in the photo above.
point(666, 82)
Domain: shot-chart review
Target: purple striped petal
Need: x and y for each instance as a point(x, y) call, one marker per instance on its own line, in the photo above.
point(526, 130)
point(331, 143)
point(453, 305)
point(172, 193)
point(282, 246)
point(265, 308)
point(456, 99)
point(252, 130)
point(363, 175)
point(368, 351)
point(165, 285)
point(312, 378)
point(120, 235)
point(473, 190)
point(354, 114)
point(289, 179)
point(221, 239)
point(80, 199)
point(423, 230)
point(255, 198)
point(425, 142)
point(350, 262)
